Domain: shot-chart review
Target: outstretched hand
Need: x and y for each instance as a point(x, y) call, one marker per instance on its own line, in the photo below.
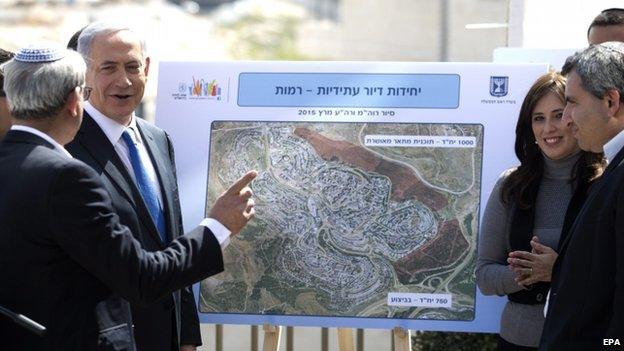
point(235, 207)
point(535, 266)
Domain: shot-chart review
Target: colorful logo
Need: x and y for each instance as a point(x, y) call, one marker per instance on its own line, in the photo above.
point(201, 88)
point(499, 86)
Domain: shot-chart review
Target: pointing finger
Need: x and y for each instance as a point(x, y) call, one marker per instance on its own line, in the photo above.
point(241, 183)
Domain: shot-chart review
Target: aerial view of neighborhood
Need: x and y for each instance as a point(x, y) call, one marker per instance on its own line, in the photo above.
point(350, 218)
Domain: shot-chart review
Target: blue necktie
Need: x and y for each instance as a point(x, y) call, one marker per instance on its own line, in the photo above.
point(147, 188)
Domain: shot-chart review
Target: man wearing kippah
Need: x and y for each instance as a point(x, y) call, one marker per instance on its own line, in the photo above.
point(66, 261)
point(5, 117)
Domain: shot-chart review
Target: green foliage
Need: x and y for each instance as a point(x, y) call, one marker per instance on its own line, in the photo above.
point(437, 341)
point(258, 37)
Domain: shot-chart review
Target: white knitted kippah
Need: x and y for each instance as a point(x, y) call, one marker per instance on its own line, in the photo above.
point(40, 53)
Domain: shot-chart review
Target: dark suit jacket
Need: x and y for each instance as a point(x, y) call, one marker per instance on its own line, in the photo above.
point(173, 319)
point(587, 290)
point(65, 260)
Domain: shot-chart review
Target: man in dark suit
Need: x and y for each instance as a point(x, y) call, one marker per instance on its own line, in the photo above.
point(117, 70)
point(586, 306)
point(66, 261)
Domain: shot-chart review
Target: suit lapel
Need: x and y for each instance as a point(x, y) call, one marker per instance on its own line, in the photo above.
point(98, 145)
point(595, 189)
point(163, 173)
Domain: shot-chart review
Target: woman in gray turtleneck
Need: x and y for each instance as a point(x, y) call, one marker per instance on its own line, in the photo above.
point(525, 213)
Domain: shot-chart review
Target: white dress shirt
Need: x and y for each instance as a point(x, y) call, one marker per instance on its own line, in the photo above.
point(113, 131)
point(613, 146)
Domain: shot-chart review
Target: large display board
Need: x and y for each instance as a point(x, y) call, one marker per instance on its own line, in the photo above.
point(372, 178)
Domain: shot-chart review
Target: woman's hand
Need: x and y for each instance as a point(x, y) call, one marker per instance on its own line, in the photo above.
point(535, 266)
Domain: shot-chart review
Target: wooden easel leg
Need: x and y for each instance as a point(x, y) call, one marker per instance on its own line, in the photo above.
point(402, 339)
point(219, 337)
point(272, 336)
point(254, 338)
point(290, 338)
point(324, 339)
point(345, 339)
point(359, 340)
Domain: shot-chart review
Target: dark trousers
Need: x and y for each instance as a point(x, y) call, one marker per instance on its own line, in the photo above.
point(504, 345)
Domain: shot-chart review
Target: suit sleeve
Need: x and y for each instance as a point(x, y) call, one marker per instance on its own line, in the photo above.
point(616, 323)
point(190, 333)
point(492, 271)
point(84, 225)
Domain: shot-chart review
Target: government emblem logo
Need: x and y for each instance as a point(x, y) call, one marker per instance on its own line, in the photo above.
point(499, 86)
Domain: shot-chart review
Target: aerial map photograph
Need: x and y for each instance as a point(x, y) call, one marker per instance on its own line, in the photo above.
point(347, 215)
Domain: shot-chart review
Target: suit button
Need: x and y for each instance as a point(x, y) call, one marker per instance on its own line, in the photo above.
point(539, 297)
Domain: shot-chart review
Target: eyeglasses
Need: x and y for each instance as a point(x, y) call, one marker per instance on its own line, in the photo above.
point(86, 92)
point(83, 90)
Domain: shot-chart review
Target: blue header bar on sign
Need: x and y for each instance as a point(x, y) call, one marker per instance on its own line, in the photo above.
point(436, 91)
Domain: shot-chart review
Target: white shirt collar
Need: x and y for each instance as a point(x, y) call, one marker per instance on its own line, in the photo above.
point(111, 128)
point(613, 146)
point(44, 136)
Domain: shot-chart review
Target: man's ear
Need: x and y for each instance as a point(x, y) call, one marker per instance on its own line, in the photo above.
point(73, 102)
point(613, 102)
point(147, 64)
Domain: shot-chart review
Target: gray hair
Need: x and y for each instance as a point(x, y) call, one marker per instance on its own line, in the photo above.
point(40, 90)
point(85, 40)
point(600, 67)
